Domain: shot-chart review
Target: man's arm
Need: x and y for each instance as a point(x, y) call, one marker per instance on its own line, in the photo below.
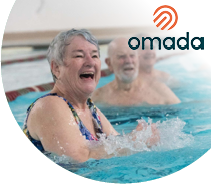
point(170, 97)
point(166, 93)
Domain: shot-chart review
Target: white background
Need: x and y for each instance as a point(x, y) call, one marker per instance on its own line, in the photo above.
point(44, 15)
point(22, 163)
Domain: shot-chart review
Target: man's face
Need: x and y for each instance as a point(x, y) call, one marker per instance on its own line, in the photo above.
point(147, 57)
point(124, 61)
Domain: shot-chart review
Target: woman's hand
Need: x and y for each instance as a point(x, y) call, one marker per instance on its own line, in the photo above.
point(142, 125)
point(155, 137)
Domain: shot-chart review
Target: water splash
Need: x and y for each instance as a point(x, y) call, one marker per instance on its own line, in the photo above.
point(171, 132)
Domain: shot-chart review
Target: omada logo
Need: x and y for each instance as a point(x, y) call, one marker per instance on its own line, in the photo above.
point(196, 46)
point(165, 11)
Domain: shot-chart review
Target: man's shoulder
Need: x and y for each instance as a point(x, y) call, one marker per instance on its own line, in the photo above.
point(159, 86)
point(101, 93)
point(159, 73)
point(165, 92)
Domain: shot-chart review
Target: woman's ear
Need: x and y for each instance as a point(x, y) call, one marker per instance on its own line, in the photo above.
point(55, 69)
point(108, 62)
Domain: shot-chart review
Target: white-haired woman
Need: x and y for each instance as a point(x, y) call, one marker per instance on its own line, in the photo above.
point(62, 121)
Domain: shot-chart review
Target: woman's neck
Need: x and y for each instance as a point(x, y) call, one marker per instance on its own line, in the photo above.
point(78, 101)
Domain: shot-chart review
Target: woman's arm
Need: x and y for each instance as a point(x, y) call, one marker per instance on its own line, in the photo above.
point(108, 129)
point(51, 122)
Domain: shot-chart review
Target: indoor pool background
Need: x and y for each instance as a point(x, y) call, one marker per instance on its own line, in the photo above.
point(186, 139)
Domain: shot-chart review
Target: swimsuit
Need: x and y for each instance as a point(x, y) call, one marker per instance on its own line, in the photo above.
point(84, 131)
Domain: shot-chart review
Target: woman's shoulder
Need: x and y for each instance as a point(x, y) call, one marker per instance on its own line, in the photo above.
point(50, 104)
point(50, 100)
point(48, 112)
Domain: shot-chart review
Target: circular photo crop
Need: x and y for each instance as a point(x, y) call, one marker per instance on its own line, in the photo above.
point(113, 91)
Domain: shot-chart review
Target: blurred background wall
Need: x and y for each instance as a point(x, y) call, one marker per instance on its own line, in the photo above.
point(36, 22)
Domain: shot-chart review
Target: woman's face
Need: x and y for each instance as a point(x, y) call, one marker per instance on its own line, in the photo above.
point(82, 67)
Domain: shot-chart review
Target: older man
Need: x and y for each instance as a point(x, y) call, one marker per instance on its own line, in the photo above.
point(128, 88)
point(147, 60)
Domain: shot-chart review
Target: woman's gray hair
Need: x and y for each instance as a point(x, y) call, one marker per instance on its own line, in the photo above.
point(56, 50)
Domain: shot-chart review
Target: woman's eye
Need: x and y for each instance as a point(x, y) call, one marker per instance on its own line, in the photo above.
point(79, 56)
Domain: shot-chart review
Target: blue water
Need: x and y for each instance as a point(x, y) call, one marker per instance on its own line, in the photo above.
point(177, 150)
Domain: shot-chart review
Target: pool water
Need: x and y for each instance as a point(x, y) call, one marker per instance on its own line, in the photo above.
point(185, 128)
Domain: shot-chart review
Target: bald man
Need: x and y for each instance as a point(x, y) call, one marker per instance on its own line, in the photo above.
point(147, 60)
point(128, 88)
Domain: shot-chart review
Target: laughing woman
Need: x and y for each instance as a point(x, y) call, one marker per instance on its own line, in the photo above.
point(64, 120)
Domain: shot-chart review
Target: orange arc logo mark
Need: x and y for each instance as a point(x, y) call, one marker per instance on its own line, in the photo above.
point(165, 12)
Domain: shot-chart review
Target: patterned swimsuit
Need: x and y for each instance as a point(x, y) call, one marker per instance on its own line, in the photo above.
point(84, 131)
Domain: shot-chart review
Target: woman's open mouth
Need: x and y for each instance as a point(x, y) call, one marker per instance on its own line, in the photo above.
point(87, 75)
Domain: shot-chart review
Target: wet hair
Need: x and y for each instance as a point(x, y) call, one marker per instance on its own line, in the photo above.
point(56, 50)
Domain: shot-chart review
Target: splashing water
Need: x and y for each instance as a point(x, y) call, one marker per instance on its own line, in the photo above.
point(170, 132)
point(171, 137)
point(176, 148)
